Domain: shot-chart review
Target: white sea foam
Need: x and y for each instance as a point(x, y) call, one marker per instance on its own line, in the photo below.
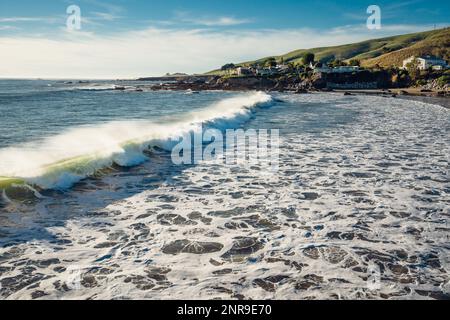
point(105, 87)
point(321, 224)
point(62, 160)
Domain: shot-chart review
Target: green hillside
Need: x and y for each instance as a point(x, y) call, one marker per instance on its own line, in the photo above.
point(384, 51)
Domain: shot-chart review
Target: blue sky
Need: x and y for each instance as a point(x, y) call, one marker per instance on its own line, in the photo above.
point(206, 33)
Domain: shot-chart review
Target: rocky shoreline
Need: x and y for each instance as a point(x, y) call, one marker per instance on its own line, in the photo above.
point(285, 83)
point(196, 84)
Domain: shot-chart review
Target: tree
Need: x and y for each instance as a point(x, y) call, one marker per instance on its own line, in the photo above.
point(354, 63)
point(271, 62)
point(308, 58)
point(291, 67)
point(413, 70)
point(337, 63)
point(228, 66)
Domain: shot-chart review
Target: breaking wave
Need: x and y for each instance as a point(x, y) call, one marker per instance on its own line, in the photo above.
point(60, 161)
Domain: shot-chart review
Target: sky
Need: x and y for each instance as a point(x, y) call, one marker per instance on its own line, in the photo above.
point(135, 38)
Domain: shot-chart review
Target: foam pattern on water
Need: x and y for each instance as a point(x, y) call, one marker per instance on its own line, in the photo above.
point(359, 209)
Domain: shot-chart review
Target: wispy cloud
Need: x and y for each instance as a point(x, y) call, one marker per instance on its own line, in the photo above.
point(98, 18)
point(105, 16)
point(108, 7)
point(209, 21)
point(30, 19)
point(389, 11)
point(8, 28)
point(106, 12)
point(220, 21)
point(386, 29)
point(402, 4)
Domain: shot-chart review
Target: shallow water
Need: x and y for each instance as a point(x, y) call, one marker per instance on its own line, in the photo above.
point(358, 209)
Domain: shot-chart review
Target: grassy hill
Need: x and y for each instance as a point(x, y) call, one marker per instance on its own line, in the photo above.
point(384, 51)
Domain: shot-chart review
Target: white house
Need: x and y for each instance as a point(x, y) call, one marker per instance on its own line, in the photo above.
point(425, 62)
point(241, 71)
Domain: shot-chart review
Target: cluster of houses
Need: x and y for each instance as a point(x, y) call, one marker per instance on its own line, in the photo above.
point(426, 62)
point(422, 62)
point(283, 69)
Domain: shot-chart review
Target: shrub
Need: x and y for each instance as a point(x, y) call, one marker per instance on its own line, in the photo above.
point(445, 79)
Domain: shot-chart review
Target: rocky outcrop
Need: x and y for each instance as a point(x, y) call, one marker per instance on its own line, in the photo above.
point(245, 83)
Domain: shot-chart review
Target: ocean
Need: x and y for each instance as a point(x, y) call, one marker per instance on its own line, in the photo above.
point(93, 207)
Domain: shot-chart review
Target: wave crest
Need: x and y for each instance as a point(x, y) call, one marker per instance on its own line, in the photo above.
point(60, 161)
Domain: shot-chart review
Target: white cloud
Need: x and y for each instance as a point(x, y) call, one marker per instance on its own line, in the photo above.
point(105, 16)
point(30, 19)
point(110, 8)
point(220, 21)
point(8, 28)
point(386, 29)
point(156, 51)
point(208, 21)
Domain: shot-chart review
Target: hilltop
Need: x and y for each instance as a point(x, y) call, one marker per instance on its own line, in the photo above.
point(385, 52)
